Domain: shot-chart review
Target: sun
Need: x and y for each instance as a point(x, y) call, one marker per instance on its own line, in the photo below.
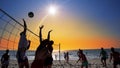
point(52, 10)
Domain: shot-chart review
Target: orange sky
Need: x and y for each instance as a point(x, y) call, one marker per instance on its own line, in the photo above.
point(70, 32)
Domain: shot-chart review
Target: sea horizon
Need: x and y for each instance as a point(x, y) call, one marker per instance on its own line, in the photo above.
point(90, 54)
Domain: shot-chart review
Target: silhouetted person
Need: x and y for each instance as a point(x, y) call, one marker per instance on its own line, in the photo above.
point(43, 52)
point(82, 58)
point(116, 57)
point(49, 59)
point(78, 54)
point(5, 59)
point(23, 45)
point(104, 56)
point(67, 57)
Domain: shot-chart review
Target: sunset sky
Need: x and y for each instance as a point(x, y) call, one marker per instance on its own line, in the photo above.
point(84, 24)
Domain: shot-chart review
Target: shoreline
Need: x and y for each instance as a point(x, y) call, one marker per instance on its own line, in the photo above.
point(94, 63)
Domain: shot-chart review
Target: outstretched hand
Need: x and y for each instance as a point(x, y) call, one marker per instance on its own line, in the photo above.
point(41, 26)
point(50, 31)
point(25, 26)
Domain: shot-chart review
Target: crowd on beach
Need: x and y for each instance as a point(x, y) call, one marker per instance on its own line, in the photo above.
point(114, 57)
point(43, 54)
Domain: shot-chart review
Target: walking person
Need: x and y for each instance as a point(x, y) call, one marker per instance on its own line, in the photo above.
point(82, 58)
point(116, 57)
point(104, 56)
point(5, 59)
point(23, 45)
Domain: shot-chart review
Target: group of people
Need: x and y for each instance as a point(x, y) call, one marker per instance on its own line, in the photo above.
point(114, 55)
point(43, 54)
point(66, 56)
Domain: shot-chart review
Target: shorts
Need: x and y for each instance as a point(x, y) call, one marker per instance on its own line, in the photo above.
point(48, 61)
point(85, 63)
point(103, 58)
point(19, 59)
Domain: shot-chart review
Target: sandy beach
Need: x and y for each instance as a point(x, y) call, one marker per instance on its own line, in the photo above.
point(94, 63)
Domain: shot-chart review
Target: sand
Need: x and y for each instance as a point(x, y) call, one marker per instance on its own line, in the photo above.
point(94, 63)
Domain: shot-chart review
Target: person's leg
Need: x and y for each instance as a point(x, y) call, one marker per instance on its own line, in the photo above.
point(102, 61)
point(105, 63)
point(6, 66)
point(26, 64)
point(87, 66)
point(2, 66)
point(114, 64)
point(81, 66)
point(20, 65)
point(67, 59)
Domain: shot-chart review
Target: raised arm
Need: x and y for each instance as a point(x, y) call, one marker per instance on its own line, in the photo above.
point(25, 27)
point(49, 34)
point(40, 33)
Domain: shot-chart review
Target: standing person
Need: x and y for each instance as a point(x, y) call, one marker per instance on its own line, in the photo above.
point(5, 59)
point(78, 53)
point(116, 57)
point(82, 58)
point(43, 51)
point(104, 56)
point(49, 59)
point(23, 45)
point(67, 57)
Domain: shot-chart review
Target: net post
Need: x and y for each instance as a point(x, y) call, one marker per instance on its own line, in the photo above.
point(59, 51)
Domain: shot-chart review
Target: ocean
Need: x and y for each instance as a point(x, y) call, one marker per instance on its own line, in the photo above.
point(90, 54)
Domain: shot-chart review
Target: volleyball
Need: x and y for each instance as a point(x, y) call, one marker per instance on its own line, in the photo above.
point(31, 14)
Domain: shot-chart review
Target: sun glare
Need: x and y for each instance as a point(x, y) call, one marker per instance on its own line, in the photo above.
point(52, 10)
